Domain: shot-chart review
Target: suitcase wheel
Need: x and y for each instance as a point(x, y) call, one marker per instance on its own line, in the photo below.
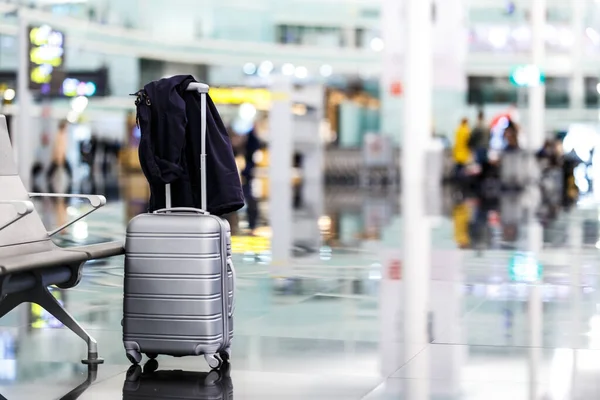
point(151, 366)
point(213, 361)
point(133, 373)
point(134, 356)
point(151, 356)
point(225, 355)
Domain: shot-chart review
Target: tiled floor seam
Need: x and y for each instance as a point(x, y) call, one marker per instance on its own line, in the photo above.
point(390, 376)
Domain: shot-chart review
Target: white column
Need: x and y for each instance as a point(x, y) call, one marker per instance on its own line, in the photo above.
point(350, 36)
point(280, 171)
point(418, 81)
point(393, 35)
point(535, 340)
point(535, 242)
point(25, 148)
point(537, 93)
point(577, 89)
point(450, 43)
point(575, 234)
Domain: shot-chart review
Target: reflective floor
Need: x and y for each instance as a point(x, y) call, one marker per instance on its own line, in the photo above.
point(330, 325)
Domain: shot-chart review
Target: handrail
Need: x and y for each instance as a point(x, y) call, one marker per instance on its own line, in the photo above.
point(95, 201)
point(23, 208)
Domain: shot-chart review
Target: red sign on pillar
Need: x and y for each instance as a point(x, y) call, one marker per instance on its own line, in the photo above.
point(395, 270)
point(396, 89)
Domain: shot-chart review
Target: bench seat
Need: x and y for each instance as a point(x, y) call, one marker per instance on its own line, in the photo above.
point(59, 256)
point(29, 261)
point(46, 259)
point(101, 250)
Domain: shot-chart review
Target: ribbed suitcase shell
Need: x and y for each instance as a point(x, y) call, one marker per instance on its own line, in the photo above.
point(173, 300)
point(178, 385)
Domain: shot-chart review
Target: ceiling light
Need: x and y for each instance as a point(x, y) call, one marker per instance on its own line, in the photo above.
point(249, 69)
point(79, 104)
point(326, 70)
point(9, 94)
point(288, 69)
point(377, 44)
point(301, 72)
point(265, 69)
point(593, 35)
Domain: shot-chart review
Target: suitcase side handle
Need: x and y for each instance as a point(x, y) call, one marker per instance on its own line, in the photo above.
point(233, 289)
point(181, 209)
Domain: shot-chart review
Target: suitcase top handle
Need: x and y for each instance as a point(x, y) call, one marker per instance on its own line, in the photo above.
point(197, 87)
point(181, 209)
point(201, 88)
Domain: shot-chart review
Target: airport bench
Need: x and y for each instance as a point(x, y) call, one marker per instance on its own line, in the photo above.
point(30, 261)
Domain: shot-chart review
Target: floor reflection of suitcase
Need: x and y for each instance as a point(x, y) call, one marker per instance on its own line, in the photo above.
point(175, 385)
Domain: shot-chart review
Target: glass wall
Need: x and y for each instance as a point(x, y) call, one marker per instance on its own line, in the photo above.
point(592, 97)
point(311, 35)
point(499, 90)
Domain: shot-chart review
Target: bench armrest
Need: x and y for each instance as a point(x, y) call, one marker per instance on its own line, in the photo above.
point(22, 207)
point(95, 201)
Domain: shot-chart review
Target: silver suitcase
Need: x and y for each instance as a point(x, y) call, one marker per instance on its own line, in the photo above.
point(179, 281)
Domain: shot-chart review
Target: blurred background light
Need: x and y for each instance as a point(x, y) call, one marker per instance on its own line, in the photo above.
point(249, 69)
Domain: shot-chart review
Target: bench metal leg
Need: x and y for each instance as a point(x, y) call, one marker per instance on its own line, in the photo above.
point(42, 296)
point(9, 303)
point(45, 299)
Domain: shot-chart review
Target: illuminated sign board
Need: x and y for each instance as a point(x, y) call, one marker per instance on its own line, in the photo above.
point(46, 59)
point(524, 267)
point(240, 95)
point(72, 87)
point(527, 76)
point(253, 244)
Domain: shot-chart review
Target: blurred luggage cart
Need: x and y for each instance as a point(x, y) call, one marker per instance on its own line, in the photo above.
point(552, 185)
point(518, 169)
point(379, 162)
point(342, 167)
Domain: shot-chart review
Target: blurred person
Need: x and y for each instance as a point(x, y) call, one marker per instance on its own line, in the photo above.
point(251, 146)
point(479, 141)
point(511, 136)
point(546, 150)
point(238, 144)
point(60, 211)
point(461, 215)
point(92, 14)
point(59, 152)
point(461, 152)
point(88, 151)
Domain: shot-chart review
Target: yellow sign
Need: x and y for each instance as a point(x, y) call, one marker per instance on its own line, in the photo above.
point(46, 55)
point(253, 244)
point(240, 95)
point(40, 75)
point(49, 56)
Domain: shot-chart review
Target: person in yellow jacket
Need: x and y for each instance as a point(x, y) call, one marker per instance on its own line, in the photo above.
point(461, 215)
point(462, 152)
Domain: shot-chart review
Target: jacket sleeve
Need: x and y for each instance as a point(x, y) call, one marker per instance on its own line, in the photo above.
point(225, 192)
point(169, 131)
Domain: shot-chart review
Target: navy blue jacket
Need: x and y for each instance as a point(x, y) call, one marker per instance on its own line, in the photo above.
point(169, 119)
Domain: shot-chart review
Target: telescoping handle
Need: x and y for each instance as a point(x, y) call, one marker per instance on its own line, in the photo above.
point(203, 105)
point(201, 88)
